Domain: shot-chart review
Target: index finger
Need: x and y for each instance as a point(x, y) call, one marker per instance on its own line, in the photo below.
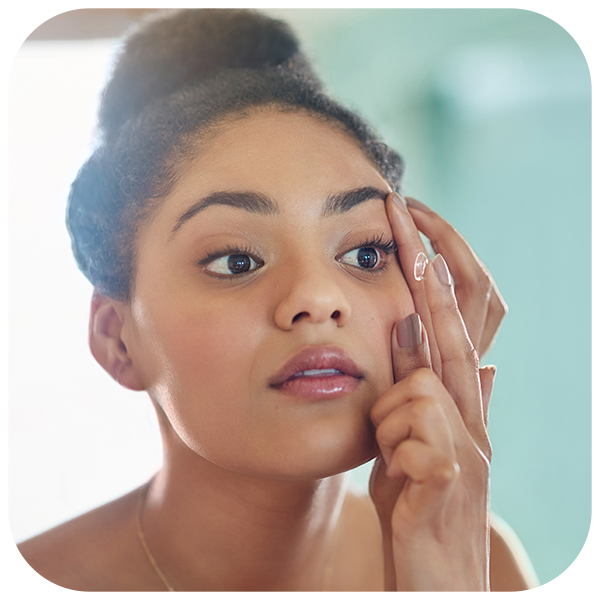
point(410, 247)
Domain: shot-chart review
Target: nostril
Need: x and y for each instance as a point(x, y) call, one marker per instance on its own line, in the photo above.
point(335, 315)
point(299, 316)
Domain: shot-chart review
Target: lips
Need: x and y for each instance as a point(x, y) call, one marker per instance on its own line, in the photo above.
point(318, 372)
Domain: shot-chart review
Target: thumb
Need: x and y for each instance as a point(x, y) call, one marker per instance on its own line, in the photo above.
point(410, 349)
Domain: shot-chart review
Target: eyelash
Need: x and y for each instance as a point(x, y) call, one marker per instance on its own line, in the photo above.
point(387, 247)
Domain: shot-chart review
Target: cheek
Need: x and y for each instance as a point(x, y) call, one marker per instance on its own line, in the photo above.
point(375, 312)
point(199, 360)
point(204, 344)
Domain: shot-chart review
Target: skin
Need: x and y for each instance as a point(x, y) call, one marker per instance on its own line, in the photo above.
point(251, 495)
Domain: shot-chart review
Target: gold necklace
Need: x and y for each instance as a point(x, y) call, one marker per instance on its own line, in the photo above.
point(142, 538)
point(140, 532)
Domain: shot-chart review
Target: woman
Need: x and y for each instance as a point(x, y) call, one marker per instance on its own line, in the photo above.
point(257, 272)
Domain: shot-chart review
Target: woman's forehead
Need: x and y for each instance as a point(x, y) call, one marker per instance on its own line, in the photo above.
point(280, 154)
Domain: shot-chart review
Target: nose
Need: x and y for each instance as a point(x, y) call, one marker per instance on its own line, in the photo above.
point(311, 296)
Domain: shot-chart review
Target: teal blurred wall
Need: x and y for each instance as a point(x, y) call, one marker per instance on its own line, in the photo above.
point(491, 109)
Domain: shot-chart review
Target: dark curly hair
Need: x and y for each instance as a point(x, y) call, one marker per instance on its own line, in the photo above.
point(180, 75)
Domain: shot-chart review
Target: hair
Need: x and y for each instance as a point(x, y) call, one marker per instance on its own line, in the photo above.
point(178, 77)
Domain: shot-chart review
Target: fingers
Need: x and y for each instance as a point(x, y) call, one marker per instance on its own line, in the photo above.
point(423, 419)
point(479, 300)
point(460, 363)
point(422, 463)
point(410, 248)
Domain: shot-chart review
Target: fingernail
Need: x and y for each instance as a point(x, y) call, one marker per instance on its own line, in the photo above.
point(420, 265)
point(441, 270)
point(418, 205)
point(409, 332)
point(399, 201)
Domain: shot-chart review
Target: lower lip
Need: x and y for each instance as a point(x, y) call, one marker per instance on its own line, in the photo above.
point(319, 388)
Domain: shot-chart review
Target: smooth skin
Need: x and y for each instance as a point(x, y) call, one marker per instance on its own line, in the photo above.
point(251, 494)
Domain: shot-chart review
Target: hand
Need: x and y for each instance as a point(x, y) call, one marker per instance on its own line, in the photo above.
point(431, 484)
point(479, 301)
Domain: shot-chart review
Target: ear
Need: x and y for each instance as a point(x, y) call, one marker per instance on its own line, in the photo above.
point(106, 343)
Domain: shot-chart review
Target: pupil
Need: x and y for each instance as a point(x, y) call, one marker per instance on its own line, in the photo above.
point(238, 263)
point(367, 257)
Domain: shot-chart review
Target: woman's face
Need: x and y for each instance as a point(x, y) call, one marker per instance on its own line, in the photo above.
point(261, 318)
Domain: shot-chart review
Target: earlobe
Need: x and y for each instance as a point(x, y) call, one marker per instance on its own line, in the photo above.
point(106, 341)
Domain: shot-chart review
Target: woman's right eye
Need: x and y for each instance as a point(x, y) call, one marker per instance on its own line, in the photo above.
point(232, 264)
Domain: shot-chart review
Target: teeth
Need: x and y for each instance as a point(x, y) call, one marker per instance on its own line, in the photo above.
point(317, 373)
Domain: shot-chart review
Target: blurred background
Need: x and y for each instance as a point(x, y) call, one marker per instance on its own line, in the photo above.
point(490, 109)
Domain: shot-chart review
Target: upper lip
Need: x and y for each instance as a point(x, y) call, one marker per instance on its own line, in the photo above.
point(320, 357)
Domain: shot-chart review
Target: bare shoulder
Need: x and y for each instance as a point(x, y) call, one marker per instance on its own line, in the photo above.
point(89, 553)
point(510, 567)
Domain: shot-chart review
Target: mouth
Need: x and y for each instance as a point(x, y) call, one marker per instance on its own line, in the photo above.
point(318, 373)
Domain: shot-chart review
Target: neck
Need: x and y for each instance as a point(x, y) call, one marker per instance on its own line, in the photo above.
point(213, 529)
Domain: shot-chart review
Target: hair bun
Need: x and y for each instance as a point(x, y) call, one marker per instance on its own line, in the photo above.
point(174, 48)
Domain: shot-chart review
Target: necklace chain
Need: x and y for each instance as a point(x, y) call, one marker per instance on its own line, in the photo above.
point(142, 538)
point(152, 560)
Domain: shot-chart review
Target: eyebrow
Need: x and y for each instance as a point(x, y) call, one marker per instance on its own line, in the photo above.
point(261, 204)
point(249, 201)
point(344, 201)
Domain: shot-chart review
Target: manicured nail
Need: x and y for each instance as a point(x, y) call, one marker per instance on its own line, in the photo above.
point(420, 264)
point(399, 201)
point(409, 332)
point(418, 205)
point(441, 270)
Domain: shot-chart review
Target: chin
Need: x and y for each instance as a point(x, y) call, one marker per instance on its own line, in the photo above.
point(323, 453)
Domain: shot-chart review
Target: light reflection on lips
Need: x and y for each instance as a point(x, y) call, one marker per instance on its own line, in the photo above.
point(319, 373)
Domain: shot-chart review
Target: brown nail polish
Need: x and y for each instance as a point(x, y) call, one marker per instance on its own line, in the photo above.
point(418, 205)
point(409, 332)
point(399, 201)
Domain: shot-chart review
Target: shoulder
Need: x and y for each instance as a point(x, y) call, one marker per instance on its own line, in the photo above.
point(510, 567)
point(89, 553)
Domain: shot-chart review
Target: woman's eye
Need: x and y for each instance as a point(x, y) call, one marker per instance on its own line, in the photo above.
point(233, 264)
point(365, 258)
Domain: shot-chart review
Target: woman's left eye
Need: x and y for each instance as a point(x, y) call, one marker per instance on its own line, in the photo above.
point(365, 258)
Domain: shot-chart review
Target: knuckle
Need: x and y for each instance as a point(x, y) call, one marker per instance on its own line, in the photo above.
point(445, 472)
point(385, 434)
point(446, 229)
point(498, 309)
point(376, 415)
point(445, 307)
point(467, 355)
point(419, 379)
point(479, 285)
point(424, 409)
